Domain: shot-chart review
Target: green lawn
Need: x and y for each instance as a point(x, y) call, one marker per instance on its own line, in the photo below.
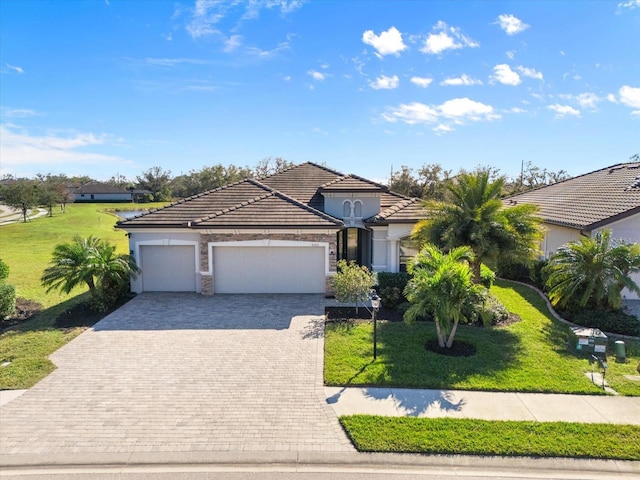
point(27, 248)
point(528, 356)
point(480, 437)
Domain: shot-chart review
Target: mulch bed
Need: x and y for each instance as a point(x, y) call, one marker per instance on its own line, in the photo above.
point(25, 309)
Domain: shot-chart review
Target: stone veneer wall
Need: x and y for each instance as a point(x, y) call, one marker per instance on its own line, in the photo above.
point(205, 239)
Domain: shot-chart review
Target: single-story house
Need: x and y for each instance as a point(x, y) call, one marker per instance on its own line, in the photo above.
point(283, 233)
point(100, 192)
point(581, 206)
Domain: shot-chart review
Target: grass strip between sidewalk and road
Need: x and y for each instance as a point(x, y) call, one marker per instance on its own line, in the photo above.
point(502, 438)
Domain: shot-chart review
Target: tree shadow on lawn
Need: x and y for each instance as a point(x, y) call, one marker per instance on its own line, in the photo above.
point(403, 360)
point(74, 312)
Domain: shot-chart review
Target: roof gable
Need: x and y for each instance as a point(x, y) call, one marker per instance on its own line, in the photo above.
point(352, 183)
point(588, 201)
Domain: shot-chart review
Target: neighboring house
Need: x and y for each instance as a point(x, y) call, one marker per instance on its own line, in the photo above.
point(99, 192)
point(279, 234)
point(604, 199)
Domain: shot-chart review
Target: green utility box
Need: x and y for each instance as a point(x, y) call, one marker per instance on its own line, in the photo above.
point(589, 341)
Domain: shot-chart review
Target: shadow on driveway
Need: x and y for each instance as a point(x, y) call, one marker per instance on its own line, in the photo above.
point(192, 311)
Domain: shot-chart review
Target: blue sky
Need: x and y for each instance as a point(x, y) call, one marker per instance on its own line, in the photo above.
point(110, 87)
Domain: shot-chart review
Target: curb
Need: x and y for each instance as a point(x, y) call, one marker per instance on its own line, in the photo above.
point(311, 459)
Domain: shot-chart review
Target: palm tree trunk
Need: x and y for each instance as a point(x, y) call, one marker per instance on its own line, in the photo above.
point(441, 340)
point(452, 334)
point(475, 270)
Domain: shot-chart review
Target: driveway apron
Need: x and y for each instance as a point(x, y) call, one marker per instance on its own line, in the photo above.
point(184, 373)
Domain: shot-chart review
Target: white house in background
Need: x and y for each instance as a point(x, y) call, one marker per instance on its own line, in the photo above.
point(282, 233)
point(604, 199)
point(100, 192)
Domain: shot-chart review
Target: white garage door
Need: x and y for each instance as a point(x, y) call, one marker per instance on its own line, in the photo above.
point(269, 269)
point(168, 268)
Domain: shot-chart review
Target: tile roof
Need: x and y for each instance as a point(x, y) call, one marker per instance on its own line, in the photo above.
point(290, 198)
point(406, 210)
point(588, 201)
point(302, 181)
point(352, 182)
point(97, 188)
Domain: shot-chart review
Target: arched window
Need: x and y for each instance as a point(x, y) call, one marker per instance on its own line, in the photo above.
point(357, 208)
point(346, 208)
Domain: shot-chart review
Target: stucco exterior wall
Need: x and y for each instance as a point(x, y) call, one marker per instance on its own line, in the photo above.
point(628, 230)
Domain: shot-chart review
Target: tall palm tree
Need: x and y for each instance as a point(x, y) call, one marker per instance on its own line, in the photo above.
point(593, 272)
point(89, 261)
point(472, 214)
point(441, 286)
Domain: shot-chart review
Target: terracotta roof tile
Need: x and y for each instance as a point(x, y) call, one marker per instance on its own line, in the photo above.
point(291, 198)
point(408, 210)
point(588, 201)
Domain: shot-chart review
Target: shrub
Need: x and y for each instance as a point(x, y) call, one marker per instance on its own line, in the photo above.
point(4, 270)
point(7, 300)
point(512, 270)
point(487, 277)
point(607, 321)
point(391, 286)
point(353, 282)
point(537, 273)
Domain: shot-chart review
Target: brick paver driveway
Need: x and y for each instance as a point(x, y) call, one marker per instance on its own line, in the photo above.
point(184, 373)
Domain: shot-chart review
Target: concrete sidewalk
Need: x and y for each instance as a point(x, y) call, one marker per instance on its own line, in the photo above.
point(402, 402)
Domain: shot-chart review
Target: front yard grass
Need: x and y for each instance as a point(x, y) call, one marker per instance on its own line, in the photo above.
point(27, 249)
point(480, 437)
point(527, 356)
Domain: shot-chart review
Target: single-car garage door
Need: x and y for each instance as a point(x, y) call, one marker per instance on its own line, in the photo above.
point(269, 269)
point(169, 268)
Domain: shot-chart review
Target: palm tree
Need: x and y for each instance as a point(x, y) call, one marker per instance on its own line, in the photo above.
point(592, 272)
point(472, 214)
point(89, 261)
point(441, 286)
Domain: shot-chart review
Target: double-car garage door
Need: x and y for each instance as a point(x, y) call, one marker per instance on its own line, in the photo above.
point(268, 270)
point(236, 269)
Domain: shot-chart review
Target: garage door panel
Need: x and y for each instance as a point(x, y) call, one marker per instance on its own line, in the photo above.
point(269, 270)
point(168, 268)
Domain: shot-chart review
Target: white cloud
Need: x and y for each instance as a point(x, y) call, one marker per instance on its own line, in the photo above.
point(232, 43)
point(504, 74)
point(458, 111)
point(387, 43)
point(6, 112)
point(445, 38)
point(511, 24)
point(630, 4)
point(319, 76)
point(464, 79)
point(564, 110)
point(630, 96)
point(612, 98)
point(412, 113)
point(510, 54)
point(423, 82)
point(385, 83)
point(19, 149)
point(468, 109)
point(15, 68)
point(588, 100)
point(529, 72)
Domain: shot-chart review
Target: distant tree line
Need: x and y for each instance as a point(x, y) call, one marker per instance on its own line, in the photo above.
point(430, 181)
point(50, 190)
